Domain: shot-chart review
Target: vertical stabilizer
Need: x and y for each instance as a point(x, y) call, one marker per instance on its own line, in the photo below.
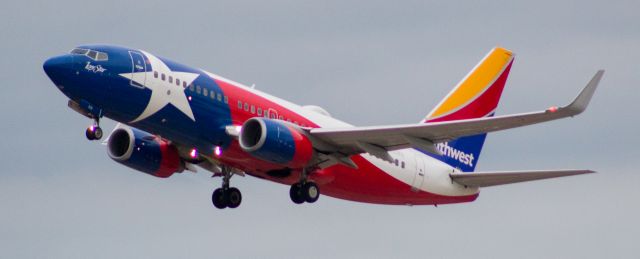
point(476, 96)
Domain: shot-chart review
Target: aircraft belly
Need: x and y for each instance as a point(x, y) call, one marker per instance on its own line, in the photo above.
point(370, 184)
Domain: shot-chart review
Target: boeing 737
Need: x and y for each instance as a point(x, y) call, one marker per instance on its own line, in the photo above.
point(175, 118)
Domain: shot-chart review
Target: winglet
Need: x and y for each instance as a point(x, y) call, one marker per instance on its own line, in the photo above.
point(582, 100)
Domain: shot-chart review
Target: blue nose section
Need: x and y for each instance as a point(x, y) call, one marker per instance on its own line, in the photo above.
point(59, 68)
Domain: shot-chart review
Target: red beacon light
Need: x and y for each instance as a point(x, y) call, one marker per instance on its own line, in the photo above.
point(193, 153)
point(217, 151)
point(552, 109)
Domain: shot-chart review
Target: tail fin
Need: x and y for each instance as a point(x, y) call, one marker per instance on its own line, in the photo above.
point(476, 96)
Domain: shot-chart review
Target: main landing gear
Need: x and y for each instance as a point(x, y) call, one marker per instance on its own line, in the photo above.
point(226, 197)
point(304, 191)
point(94, 132)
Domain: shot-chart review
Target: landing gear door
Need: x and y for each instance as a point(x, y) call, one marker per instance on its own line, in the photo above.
point(419, 176)
point(139, 69)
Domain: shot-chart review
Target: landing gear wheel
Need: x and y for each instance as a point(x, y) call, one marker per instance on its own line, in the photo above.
point(93, 133)
point(89, 134)
point(97, 132)
point(296, 194)
point(226, 197)
point(218, 198)
point(233, 197)
point(311, 192)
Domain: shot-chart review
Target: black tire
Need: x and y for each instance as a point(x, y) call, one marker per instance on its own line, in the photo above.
point(218, 199)
point(233, 197)
point(296, 193)
point(89, 134)
point(97, 133)
point(311, 192)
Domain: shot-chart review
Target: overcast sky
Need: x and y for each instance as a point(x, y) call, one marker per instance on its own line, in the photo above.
point(367, 62)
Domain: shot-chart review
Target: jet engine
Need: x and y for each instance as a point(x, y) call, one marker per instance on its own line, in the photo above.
point(144, 152)
point(276, 141)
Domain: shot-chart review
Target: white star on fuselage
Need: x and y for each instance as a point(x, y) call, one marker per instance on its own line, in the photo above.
point(162, 92)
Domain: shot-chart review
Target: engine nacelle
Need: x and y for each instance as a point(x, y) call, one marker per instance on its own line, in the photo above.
point(276, 141)
point(144, 152)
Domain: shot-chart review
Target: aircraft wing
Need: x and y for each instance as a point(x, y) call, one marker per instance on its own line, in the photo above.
point(484, 179)
point(377, 140)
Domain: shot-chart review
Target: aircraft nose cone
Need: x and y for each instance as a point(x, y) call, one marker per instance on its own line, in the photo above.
point(58, 68)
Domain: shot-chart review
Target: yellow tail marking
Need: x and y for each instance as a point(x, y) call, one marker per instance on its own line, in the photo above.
point(480, 78)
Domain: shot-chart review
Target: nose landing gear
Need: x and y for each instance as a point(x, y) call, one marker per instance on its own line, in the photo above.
point(94, 132)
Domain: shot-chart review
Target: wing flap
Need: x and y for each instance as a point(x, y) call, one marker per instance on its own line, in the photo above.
point(484, 179)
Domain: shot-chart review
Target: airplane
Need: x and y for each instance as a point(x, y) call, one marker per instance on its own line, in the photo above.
point(174, 118)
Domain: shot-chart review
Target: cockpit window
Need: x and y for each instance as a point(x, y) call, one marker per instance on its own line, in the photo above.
point(102, 56)
point(79, 51)
point(92, 54)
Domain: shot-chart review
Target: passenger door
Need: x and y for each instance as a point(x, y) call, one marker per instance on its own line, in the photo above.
point(138, 69)
point(419, 174)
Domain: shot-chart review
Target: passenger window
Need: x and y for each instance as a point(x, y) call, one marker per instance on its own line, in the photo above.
point(184, 84)
point(213, 94)
point(177, 82)
point(198, 89)
point(402, 164)
point(205, 92)
point(246, 107)
point(396, 162)
point(170, 79)
point(253, 109)
point(220, 98)
point(163, 77)
point(191, 87)
point(226, 99)
point(259, 111)
point(155, 74)
point(239, 104)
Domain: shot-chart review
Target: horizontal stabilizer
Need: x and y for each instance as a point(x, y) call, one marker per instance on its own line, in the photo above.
point(484, 179)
